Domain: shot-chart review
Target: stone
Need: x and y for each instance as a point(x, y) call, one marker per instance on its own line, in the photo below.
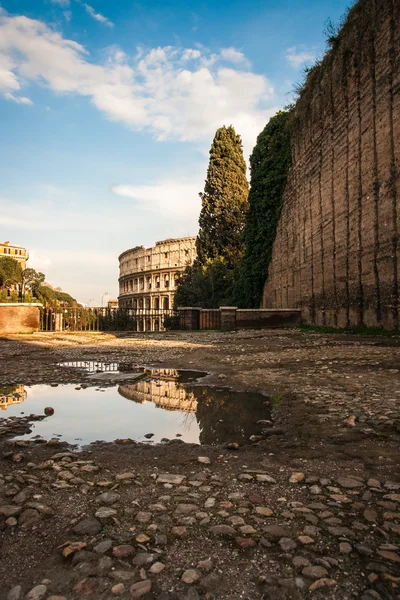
point(157, 568)
point(144, 558)
point(124, 476)
point(275, 532)
point(264, 511)
point(143, 517)
point(287, 544)
point(10, 511)
point(170, 478)
point(261, 478)
point(296, 477)
point(104, 513)
point(191, 576)
point(185, 509)
point(192, 594)
point(142, 538)
point(300, 561)
point(236, 520)
point(118, 589)
point(350, 422)
point(210, 582)
point(120, 575)
point(49, 411)
point(107, 498)
point(247, 530)
point(102, 547)
point(305, 540)
point(348, 482)
point(205, 460)
point(88, 526)
point(15, 593)
point(140, 589)
point(222, 530)
point(29, 518)
point(321, 583)
point(123, 550)
point(245, 542)
point(392, 556)
point(36, 593)
point(314, 572)
point(341, 532)
point(345, 548)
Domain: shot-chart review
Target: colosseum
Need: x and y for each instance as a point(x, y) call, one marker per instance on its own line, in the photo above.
point(148, 277)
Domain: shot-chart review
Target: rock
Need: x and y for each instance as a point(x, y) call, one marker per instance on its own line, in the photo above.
point(350, 422)
point(120, 575)
point(392, 556)
point(341, 532)
point(36, 593)
point(105, 513)
point(192, 594)
point(157, 568)
point(144, 558)
point(275, 532)
point(49, 411)
point(296, 477)
point(107, 498)
point(247, 530)
point(236, 520)
point(210, 582)
point(29, 518)
point(104, 565)
point(191, 576)
point(143, 517)
point(179, 532)
point(148, 435)
point(222, 530)
point(261, 478)
point(185, 509)
point(315, 489)
point(140, 589)
point(314, 572)
point(345, 548)
point(321, 583)
point(118, 589)
point(364, 549)
point(171, 478)
point(205, 460)
point(15, 593)
point(264, 511)
point(142, 538)
point(305, 540)
point(348, 482)
point(103, 547)
point(11, 522)
point(123, 550)
point(245, 542)
point(10, 511)
point(300, 561)
point(232, 446)
point(287, 544)
point(88, 526)
point(124, 476)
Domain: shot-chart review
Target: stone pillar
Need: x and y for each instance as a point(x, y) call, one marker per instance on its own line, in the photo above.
point(189, 317)
point(228, 317)
point(58, 321)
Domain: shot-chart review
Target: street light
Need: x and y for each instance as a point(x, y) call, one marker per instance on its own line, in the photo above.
point(102, 298)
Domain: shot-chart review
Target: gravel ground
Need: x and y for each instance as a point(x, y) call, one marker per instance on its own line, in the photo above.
point(311, 509)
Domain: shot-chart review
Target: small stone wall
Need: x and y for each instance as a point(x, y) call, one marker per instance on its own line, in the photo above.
point(231, 317)
point(19, 318)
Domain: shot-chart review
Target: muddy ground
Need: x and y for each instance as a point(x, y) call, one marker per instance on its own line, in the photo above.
point(312, 509)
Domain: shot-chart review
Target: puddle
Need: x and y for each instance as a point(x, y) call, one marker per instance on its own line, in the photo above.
point(162, 402)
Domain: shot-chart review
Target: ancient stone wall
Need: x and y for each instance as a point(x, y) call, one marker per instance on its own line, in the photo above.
point(19, 318)
point(336, 253)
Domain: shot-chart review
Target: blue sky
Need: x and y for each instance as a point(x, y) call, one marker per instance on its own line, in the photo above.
point(108, 109)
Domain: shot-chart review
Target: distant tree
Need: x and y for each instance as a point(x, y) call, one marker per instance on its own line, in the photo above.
point(46, 295)
point(10, 272)
point(269, 162)
point(208, 286)
point(224, 201)
point(32, 279)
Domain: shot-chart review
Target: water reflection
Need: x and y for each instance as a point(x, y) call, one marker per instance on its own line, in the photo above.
point(11, 395)
point(164, 402)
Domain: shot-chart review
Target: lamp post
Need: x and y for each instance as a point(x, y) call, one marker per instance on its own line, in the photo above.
point(102, 298)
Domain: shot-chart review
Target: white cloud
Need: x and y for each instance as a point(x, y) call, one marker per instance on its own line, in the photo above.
point(63, 3)
point(297, 56)
point(153, 90)
point(18, 99)
point(97, 16)
point(176, 199)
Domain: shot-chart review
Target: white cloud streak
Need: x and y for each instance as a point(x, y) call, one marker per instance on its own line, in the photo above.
point(63, 3)
point(176, 93)
point(298, 56)
point(97, 16)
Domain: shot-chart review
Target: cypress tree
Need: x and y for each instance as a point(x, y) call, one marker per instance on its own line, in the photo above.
point(269, 162)
point(224, 201)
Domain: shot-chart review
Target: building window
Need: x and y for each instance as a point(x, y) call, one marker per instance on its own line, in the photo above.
point(166, 303)
point(187, 252)
point(166, 254)
point(148, 303)
point(157, 303)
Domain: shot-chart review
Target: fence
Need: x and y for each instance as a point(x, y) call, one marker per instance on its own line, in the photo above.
point(210, 318)
point(231, 317)
point(103, 319)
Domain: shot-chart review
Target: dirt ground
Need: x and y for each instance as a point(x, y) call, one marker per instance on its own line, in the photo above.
point(311, 509)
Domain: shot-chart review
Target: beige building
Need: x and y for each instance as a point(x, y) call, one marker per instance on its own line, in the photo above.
point(148, 277)
point(17, 252)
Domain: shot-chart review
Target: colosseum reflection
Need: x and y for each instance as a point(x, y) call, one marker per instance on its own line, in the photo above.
point(10, 395)
point(148, 278)
point(164, 391)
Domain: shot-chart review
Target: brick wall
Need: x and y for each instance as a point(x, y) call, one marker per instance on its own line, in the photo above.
point(19, 318)
point(336, 253)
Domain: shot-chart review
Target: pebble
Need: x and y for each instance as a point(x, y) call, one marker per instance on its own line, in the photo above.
point(314, 572)
point(37, 592)
point(191, 576)
point(140, 589)
point(15, 593)
point(88, 526)
point(205, 460)
point(157, 568)
point(296, 477)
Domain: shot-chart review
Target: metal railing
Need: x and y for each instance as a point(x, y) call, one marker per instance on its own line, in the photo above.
point(103, 319)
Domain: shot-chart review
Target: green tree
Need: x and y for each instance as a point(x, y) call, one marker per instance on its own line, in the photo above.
point(209, 286)
point(10, 272)
point(32, 279)
point(269, 162)
point(224, 201)
point(46, 295)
